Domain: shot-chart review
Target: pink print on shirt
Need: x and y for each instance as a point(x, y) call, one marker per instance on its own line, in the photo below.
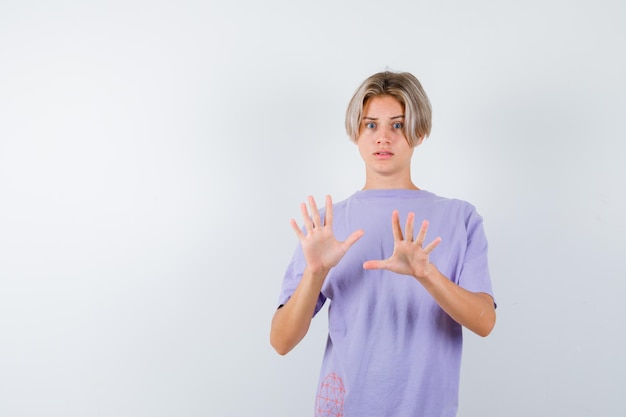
point(329, 401)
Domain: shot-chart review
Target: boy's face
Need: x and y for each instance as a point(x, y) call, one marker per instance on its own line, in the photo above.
point(382, 143)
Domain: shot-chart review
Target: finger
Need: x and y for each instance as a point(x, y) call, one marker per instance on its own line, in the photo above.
point(422, 233)
point(308, 224)
point(373, 264)
point(356, 235)
point(395, 225)
point(296, 228)
point(315, 214)
point(432, 245)
point(408, 230)
point(328, 217)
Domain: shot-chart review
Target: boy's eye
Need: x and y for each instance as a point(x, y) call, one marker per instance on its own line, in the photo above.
point(397, 125)
point(370, 125)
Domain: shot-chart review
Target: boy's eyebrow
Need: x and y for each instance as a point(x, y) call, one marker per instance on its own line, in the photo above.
point(376, 118)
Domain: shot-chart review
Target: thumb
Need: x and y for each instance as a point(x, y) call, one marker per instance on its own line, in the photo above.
point(356, 235)
point(373, 265)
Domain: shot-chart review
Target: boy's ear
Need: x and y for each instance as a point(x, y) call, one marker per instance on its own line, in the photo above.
point(419, 142)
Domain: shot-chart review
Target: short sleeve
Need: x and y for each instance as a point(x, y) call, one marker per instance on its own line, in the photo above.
point(292, 278)
point(475, 274)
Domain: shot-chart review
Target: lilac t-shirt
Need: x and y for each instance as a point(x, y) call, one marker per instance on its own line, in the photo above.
point(391, 350)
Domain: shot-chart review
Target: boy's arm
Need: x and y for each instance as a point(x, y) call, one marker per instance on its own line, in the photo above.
point(291, 321)
point(321, 252)
point(476, 311)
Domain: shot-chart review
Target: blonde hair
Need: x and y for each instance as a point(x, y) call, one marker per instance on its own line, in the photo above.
point(405, 88)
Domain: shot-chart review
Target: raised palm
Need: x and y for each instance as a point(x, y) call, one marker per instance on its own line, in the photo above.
point(321, 249)
point(409, 257)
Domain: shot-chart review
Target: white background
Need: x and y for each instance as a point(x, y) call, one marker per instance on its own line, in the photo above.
point(152, 154)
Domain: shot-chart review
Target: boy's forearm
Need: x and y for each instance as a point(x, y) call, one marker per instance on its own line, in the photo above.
point(474, 311)
point(291, 322)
